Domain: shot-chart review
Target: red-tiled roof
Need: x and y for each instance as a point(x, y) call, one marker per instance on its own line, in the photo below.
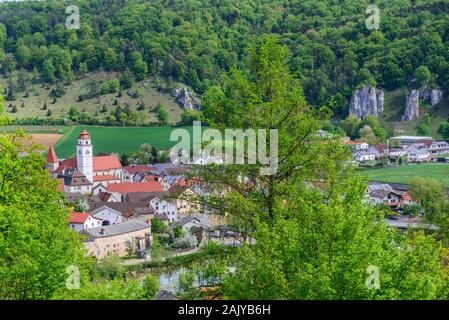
point(101, 163)
point(150, 177)
point(127, 187)
point(84, 135)
point(51, 156)
point(406, 196)
point(106, 177)
point(78, 217)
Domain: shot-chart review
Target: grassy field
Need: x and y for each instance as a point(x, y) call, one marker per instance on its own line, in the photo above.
point(39, 94)
point(403, 174)
point(116, 139)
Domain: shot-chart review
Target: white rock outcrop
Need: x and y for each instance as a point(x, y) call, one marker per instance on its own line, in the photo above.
point(186, 98)
point(411, 106)
point(366, 101)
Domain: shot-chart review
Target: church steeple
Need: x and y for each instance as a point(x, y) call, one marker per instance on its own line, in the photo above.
point(52, 162)
point(84, 156)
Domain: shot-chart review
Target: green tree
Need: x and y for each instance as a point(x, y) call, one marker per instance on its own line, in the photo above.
point(422, 75)
point(443, 130)
point(315, 237)
point(424, 130)
point(36, 245)
point(162, 115)
point(138, 66)
point(150, 287)
point(48, 71)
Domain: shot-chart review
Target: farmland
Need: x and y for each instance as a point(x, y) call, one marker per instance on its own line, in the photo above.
point(116, 139)
point(405, 173)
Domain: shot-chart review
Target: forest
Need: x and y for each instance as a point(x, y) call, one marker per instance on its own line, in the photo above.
point(194, 42)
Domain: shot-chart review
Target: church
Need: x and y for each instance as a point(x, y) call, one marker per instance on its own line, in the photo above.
point(86, 172)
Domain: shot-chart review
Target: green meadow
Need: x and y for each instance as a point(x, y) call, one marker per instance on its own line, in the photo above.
point(405, 173)
point(117, 139)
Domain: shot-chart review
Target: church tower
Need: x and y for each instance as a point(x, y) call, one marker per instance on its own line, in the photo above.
point(52, 162)
point(84, 157)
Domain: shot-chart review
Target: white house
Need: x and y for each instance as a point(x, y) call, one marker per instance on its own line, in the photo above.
point(439, 147)
point(397, 152)
point(75, 182)
point(385, 197)
point(416, 155)
point(163, 206)
point(108, 215)
point(362, 156)
point(188, 222)
point(79, 221)
point(360, 145)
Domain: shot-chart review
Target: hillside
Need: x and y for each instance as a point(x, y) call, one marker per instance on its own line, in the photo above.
point(194, 42)
point(394, 108)
point(98, 106)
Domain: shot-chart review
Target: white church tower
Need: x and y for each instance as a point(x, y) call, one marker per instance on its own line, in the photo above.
point(84, 157)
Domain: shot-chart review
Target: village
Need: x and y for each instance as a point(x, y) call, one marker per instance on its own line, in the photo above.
point(119, 208)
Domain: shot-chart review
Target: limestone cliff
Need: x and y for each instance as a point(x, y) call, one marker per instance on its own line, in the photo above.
point(186, 98)
point(366, 101)
point(411, 106)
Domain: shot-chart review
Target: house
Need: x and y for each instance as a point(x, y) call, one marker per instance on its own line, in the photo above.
point(119, 189)
point(131, 171)
point(417, 155)
point(165, 206)
point(108, 215)
point(162, 217)
point(363, 156)
point(118, 239)
point(386, 197)
point(439, 147)
point(407, 199)
point(75, 182)
point(358, 145)
point(103, 197)
point(79, 221)
point(397, 152)
point(188, 222)
point(117, 212)
point(96, 169)
point(377, 154)
point(383, 193)
point(404, 141)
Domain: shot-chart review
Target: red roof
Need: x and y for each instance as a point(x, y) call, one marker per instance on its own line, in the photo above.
point(150, 177)
point(78, 217)
point(51, 156)
point(101, 163)
point(105, 177)
point(406, 196)
point(84, 135)
point(128, 187)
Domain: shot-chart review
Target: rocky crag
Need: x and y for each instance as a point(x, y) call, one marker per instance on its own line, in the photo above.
point(366, 101)
point(433, 96)
point(186, 98)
